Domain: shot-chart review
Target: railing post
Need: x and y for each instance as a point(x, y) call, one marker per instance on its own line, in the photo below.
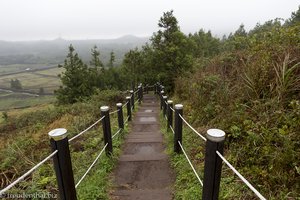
point(62, 164)
point(106, 129)
point(161, 99)
point(132, 98)
point(165, 105)
point(170, 114)
point(178, 127)
point(128, 108)
point(213, 164)
point(140, 94)
point(147, 89)
point(120, 115)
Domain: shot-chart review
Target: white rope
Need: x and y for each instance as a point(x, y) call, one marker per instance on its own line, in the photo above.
point(125, 104)
point(191, 164)
point(89, 169)
point(166, 117)
point(27, 173)
point(114, 112)
point(91, 126)
point(203, 138)
point(172, 109)
point(116, 133)
point(172, 129)
point(136, 101)
point(241, 177)
point(126, 120)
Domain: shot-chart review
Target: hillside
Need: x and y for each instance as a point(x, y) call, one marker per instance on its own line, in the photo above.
point(54, 51)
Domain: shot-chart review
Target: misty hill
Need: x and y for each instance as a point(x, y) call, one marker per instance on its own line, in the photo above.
point(54, 51)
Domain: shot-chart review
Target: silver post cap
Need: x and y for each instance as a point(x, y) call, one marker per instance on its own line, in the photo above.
point(169, 101)
point(162, 92)
point(119, 104)
point(128, 97)
point(215, 135)
point(165, 97)
point(179, 106)
point(131, 91)
point(58, 134)
point(104, 108)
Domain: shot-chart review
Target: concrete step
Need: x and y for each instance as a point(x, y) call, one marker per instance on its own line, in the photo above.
point(148, 194)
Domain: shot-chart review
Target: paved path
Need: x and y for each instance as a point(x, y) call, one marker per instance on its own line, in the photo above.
point(143, 171)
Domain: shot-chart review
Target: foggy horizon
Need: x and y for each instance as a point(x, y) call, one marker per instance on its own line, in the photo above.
point(35, 20)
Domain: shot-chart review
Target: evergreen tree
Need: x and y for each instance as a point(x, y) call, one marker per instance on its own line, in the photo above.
point(16, 84)
point(172, 50)
point(111, 59)
point(75, 79)
point(96, 62)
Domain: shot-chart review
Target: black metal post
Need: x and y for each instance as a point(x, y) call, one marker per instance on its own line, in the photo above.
point(128, 108)
point(106, 129)
point(147, 89)
point(140, 94)
point(62, 164)
point(161, 99)
point(120, 115)
point(165, 105)
point(132, 98)
point(213, 164)
point(178, 127)
point(170, 114)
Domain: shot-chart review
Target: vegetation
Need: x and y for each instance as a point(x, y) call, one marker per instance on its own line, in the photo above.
point(27, 143)
point(251, 91)
point(15, 84)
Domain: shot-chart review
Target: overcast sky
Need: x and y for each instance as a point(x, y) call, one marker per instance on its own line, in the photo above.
point(95, 19)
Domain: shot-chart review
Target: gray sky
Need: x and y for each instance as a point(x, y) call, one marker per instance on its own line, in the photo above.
point(95, 19)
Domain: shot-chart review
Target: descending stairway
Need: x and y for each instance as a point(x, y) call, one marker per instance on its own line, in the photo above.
point(143, 171)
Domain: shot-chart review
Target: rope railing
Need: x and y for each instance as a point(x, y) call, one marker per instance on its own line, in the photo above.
point(171, 128)
point(21, 178)
point(201, 136)
point(213, 157)
point(82, 132)
point(241, 177)
point(126, 120)
point(114, 135)
point(60, 147)
point(113, 112)
point(193, 168)
point(125, 105)
point(91, 166)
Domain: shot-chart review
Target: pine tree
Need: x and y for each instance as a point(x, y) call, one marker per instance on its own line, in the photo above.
point(76, 83)
point(111, 59)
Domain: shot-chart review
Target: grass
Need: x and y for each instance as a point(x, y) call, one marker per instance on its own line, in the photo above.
point(24, 142)
point(23, 101)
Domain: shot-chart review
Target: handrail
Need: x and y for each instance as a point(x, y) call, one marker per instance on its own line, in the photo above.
point(193, 168)
point(259, 195)
point(241, 177)
point(90, 167)
point(201, 136)
point(82, 132)
point(27, 173)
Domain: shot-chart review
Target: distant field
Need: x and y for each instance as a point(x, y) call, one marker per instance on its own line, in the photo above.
point(16, 101)
point(4, 69)
point(33, 81)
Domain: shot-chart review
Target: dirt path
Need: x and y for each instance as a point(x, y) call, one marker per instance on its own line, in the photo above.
point(143, 171)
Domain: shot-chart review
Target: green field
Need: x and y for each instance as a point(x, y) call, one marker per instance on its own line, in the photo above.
point(31, 82)
point(18, 100)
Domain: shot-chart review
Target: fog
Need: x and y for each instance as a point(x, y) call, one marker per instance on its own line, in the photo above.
point(94, 19)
